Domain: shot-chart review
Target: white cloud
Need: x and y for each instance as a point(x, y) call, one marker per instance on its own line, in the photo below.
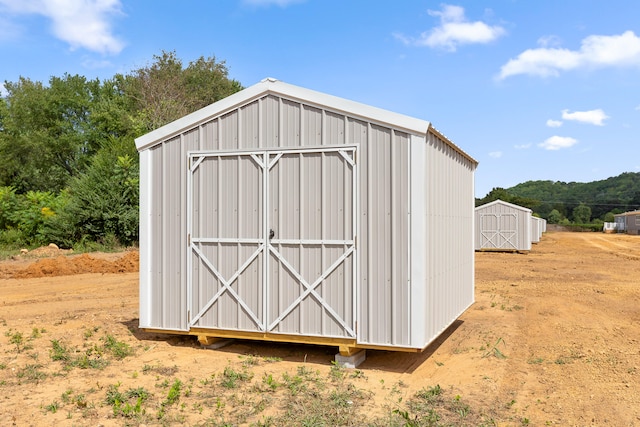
point(454, 30)
point(594, 117)
point(495, 154)
point(596, 51)
point(81, 23)
point(558, 142)
point(554, 123)
point(522, 146)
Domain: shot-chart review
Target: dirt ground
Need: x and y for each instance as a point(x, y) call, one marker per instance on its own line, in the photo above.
point(552, 339)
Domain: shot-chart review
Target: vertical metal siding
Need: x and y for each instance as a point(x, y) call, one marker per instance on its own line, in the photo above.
point(450, 256)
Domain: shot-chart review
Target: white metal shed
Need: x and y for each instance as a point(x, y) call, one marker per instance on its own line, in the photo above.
point(538, 226)
point(502, 226)
point(284, 214)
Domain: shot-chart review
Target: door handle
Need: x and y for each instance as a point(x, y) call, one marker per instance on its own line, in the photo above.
point(271, 234)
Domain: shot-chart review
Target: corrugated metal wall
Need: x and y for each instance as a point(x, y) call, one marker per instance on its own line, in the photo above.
point(449, 191)
point(502, 226)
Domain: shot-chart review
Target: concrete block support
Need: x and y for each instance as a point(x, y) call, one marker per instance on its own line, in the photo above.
point(352, 361)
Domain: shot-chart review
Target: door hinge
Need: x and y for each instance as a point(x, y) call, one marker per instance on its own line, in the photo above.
point(189, 239)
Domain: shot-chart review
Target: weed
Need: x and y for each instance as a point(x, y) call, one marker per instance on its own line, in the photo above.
point(119, 349)
point(66, 396)
point(337, 371)
point(31, 373)
point(495, 351)
point(535, 361)
point(271, 383)
point(59, 351)
point(358, 374)
point(16, 339)
point(230, 377)
point(250, 360)
point(294, 384)
point(161, 370)
point(128, 404)
point(272, 359)
point(52, 407)
point(174, 393)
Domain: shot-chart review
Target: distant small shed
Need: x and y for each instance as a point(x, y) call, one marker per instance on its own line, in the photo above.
point(284, 214)
point(538, 226)
point(502, 226)
point(628, 222)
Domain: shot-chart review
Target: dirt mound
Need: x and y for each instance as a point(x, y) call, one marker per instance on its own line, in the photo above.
point(79, 264)
point(45, 251)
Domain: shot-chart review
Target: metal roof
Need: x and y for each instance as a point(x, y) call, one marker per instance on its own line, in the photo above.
point(502, 202)
point(296, 93)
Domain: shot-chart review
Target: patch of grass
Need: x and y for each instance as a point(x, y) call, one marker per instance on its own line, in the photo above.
point(231, 378)
point(250, 360)
point(270, 382)
point(337, 371)
point(127, 404)
point(119, 349)
point(165, 371)
point(32, 373)
point(52, 407)
point(59, 351)
point(174, 393)
point(17, 338)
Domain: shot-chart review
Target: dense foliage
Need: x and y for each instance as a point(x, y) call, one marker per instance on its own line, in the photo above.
point(574, 202)
point(69, 164)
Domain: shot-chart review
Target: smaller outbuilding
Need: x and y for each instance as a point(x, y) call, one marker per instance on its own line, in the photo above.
point(628, 222)
point(538, 226)
point(502, 226)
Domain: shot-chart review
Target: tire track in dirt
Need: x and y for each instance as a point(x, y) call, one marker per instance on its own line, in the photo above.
point(624, 250)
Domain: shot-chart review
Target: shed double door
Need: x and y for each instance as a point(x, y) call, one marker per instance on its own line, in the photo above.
point(499, 231)
point(272, 241)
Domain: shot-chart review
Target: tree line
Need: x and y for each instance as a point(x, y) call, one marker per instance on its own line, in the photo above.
point(69, 164)
point(574, 202)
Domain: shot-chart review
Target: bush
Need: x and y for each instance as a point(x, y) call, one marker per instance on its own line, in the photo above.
point(101, 202)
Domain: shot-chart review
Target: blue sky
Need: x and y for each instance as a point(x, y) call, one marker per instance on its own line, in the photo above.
point(534, 90)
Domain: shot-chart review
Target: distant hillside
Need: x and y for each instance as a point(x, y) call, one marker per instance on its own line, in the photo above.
point(617, 194)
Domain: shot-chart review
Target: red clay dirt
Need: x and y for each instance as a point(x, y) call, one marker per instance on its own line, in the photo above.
point(552, 339)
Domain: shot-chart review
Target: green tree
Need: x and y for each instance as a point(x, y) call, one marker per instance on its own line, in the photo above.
point(554, 217)
point(103, 202)
point(165, 91)
point(504, 195)
point(45, 138)
point(582, 214)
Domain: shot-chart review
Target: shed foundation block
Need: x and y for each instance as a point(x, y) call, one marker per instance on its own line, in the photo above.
point(213, 343)
point(353, 360)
